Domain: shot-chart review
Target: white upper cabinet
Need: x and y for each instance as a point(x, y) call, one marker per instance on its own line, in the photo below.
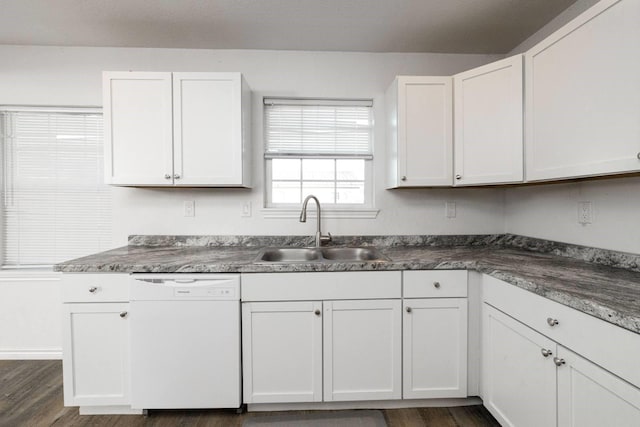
point(488, 129)
point(583, 96)
point(138, 135)
point(177, 129)
point(419, 111)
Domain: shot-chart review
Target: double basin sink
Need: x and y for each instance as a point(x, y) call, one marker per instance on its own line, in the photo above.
point(319, 255)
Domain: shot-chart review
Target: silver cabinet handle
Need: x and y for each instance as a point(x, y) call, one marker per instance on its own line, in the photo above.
point(545, 352)
point(93, 289)
point(458, 176)
point(558, 361)
point(123, 314)
point(409, 310)
point(404, 178)
point(176, 176)
point(638, 155)
point(167, 176)
point(436, 285)
point(317, 312)
point(552, 322)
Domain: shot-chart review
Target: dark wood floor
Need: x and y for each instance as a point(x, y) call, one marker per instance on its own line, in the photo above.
point(31, 395)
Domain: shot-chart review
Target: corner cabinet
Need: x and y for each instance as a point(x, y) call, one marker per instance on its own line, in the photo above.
point(583, 96)
point(420, 132)
point(177, 129)
point(547, 364)
point(488, 124)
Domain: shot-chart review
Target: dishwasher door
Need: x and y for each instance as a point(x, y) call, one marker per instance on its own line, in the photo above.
point(185, 341)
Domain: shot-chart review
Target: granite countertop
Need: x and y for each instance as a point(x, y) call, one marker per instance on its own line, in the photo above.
point(590, 280)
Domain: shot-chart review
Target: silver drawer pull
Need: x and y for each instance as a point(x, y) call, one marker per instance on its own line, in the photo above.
point(167, 176)
point(409, 310)
point(545, 352)
point(436, 285)
point(558, 361)
point(552, 322)
point(123, 314)
point(317, 312)
point(93, 289)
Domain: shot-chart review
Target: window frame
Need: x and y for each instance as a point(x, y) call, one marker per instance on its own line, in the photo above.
point(330, 210)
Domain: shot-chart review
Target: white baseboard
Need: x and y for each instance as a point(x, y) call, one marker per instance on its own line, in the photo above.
point(110, 410)
point(30, 354)
point(368, 404)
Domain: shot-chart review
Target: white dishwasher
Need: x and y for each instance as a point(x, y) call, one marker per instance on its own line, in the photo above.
point(185, 341)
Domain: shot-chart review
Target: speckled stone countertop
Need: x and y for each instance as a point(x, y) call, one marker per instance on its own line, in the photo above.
point(605, 284)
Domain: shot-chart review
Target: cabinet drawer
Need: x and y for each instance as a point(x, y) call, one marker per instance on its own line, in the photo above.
point(434, 284)
point(610, 346)
point(106, 287)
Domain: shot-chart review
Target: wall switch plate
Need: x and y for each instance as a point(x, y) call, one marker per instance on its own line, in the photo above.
point(189, 208)
point(450, 209)
point(585, 213)
point(246, 210)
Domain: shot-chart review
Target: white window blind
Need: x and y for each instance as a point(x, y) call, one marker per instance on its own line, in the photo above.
point(55, 205)
point(318, 128)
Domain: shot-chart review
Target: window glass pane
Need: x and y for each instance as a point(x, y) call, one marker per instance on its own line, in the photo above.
point(318, 169)
point(324, 191)
point(350, 169)
point(285, 192)
point(285, 169)
point(350, 193)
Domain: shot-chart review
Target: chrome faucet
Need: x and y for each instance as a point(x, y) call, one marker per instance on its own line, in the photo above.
point(303, 218)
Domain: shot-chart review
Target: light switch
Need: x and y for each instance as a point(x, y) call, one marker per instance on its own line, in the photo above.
point(246, 209)
point(450, 209)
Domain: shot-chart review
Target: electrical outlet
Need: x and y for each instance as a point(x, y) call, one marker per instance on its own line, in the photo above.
point(189, 208)
point(585, 213)
point(246, 210)
point(450, 209)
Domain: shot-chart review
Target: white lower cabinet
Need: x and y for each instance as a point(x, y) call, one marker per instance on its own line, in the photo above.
point(528, 379)
point(518, 380)
point(362, 350)
point(283, 356)
point(589, 396)
point(435, 348)
point(282, 351)
point(96, 354)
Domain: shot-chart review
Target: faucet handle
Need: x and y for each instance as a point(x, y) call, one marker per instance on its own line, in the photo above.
point(326, 238)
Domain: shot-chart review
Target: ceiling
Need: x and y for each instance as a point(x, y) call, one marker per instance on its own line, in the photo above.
point(452, 26)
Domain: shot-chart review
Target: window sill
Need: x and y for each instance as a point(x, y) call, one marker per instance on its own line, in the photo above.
point(329, 213)
point(28, 274)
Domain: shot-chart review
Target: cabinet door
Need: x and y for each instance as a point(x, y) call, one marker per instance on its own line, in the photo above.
point(591, 396)
point(488, 120)
point(96, 354)
point(583, 96)
point(435, 348)
point(362, 350)
point(138, 129)
point(518, 381)
point(282, 352)
point(424, 131)
point(207, 114)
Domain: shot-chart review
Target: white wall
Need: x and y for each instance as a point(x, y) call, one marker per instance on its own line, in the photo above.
point(549, 211)
point(72, 76)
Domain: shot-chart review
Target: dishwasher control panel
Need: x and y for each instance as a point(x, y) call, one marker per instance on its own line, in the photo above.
point(204, 292)
point(166, 287)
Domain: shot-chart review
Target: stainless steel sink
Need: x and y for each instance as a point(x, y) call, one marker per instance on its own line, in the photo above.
point(313, 255)
point(352, 254)
point(289, 255)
